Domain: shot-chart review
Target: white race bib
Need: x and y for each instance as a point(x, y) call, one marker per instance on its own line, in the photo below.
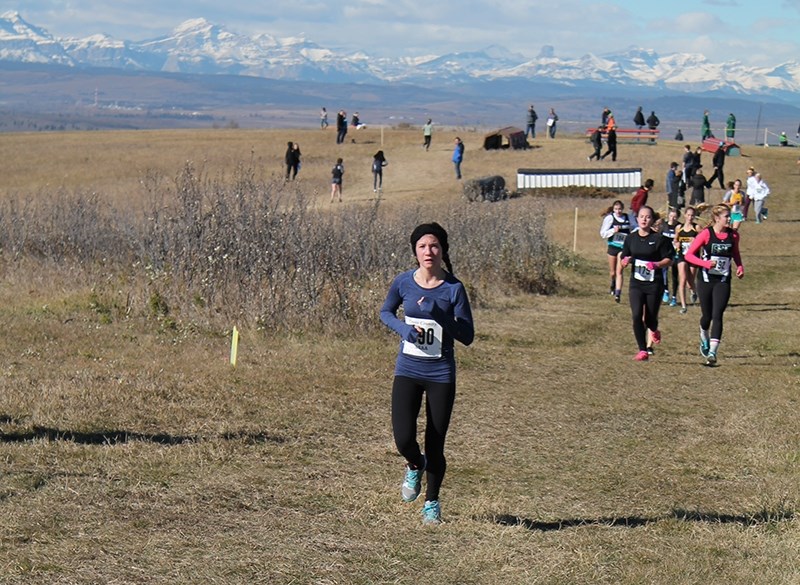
point(685, 247)
point(640, 271)
point(722, 266)
point(618, 239)
point(429, 341)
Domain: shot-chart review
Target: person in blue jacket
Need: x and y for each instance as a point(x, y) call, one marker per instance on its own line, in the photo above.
point(436, 313)
point(458, 156)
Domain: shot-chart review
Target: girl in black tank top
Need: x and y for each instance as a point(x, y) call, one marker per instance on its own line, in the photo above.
point(686, 272)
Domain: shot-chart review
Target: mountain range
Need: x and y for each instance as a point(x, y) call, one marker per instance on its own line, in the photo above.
point(201, 47)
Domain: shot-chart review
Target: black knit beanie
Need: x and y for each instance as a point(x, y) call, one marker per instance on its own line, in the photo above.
point(433, 229)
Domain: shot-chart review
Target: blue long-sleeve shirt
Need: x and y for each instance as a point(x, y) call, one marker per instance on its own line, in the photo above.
point(444, 315)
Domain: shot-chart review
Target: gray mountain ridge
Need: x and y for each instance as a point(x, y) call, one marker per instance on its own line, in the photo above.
point(201, 47)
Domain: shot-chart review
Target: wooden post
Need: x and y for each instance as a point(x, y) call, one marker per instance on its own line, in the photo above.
point(575, 233)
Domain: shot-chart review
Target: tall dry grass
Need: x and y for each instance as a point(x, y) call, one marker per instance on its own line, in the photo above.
point(260, 252)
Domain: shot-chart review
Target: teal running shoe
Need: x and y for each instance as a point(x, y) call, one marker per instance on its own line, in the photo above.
point(705, 347)
point(412, 482)
point(432, 513)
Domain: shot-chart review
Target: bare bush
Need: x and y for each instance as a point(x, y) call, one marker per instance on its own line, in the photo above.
point(257, 250)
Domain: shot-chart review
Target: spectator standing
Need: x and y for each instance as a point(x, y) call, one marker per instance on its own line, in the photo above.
point(730, 126)
point(679, 135)
point(458, 156)
point(783, 140)
point(640, 198)
point(638, 118)
point(292, 160)
point(427, 134)
point(698, 187)
point(705, 128)
point(669, 183)
point(652, 124)
point(323, 119)
point(611, 144)
point(688, 164)
point(341, 126)
point(552, 121)
point(531, 127)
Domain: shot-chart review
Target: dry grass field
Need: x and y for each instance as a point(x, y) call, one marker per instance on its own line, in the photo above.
point(133, 453)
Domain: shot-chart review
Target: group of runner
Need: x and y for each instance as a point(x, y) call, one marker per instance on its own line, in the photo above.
point(696, 258)
point(428, 307)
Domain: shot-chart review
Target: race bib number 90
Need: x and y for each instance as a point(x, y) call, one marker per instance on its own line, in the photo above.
point(640, 271)
point(429, 341)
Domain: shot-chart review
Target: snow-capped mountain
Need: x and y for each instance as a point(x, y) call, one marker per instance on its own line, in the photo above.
point(200, 47)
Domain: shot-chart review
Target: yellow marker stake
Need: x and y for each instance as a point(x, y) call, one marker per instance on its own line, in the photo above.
point(234, 345)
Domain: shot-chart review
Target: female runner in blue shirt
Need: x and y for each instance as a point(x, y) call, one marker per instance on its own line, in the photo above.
point(436, 313)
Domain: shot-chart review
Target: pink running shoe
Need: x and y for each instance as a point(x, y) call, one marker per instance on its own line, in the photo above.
point(656, 335)
point(642, 356)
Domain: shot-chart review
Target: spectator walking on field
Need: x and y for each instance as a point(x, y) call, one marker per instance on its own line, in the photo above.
point(719, 162)
point(378, 162)
point(611, 144)
point(759, 197)
point(597, 142)
point(427, 133)
point(531, 127)
point(323, 119)
point(552, 120)
point(730, 126)
point(705, 128)
point(337, 174)
point(610, 120)
point(458, 156)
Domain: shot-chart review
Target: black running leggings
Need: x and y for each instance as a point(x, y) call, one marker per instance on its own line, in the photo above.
point(714, 297)
point(406, 402)
point(645, 303)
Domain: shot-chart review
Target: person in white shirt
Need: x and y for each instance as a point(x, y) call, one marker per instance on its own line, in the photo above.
point(759, 196)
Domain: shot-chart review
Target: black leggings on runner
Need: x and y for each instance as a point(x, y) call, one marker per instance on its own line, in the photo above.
point(645, 302)
point(406, 402)
point(714, 297)
point(674, 271)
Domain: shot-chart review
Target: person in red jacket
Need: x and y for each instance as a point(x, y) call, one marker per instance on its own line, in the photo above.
point(640, 198)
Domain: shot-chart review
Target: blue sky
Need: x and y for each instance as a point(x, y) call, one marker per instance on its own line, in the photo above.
point(766, 32)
